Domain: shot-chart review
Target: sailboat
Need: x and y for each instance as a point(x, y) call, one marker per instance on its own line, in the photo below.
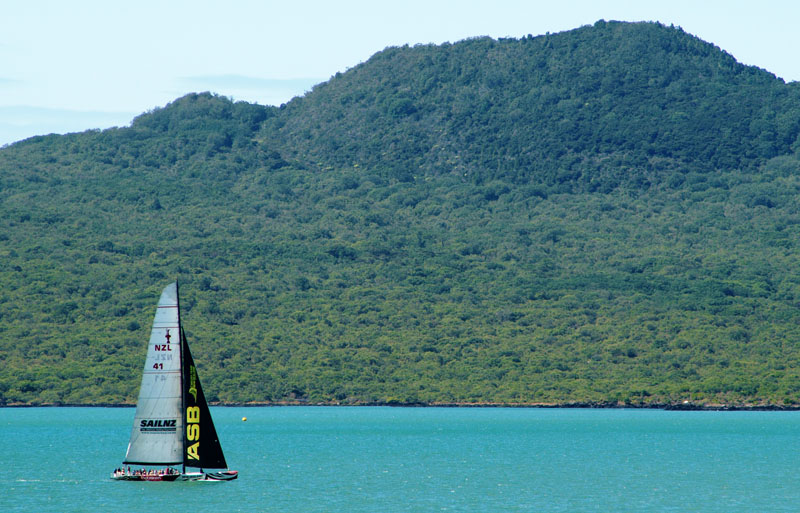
point(172, 425)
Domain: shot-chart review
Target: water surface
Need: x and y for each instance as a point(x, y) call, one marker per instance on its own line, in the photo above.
point(339, 459)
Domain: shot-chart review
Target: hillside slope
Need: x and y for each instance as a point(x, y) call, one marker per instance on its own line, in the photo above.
point(605, 215)
point(593, 107)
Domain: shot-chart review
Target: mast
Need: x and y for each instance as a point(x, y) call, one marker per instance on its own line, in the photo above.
point(183, 374)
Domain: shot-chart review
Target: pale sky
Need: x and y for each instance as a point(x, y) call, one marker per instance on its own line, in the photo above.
point(69, 66)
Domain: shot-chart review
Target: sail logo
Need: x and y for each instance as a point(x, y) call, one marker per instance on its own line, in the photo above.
point(164, 347)
point(193, 382)
point(158, 425)
point(193, 432)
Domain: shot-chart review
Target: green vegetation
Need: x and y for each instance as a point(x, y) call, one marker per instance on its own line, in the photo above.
point(606, 215)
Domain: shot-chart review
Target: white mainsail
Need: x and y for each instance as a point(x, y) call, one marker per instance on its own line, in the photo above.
point(157, 434)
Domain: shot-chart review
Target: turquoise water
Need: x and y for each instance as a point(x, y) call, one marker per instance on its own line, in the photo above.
point(317, 459)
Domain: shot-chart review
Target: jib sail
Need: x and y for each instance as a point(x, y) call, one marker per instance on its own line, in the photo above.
point(201, 444)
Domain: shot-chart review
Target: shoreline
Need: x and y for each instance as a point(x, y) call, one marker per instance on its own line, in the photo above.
point(684, 406)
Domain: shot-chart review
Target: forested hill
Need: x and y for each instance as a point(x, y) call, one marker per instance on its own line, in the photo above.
point(593, 107)
point(607, 215)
